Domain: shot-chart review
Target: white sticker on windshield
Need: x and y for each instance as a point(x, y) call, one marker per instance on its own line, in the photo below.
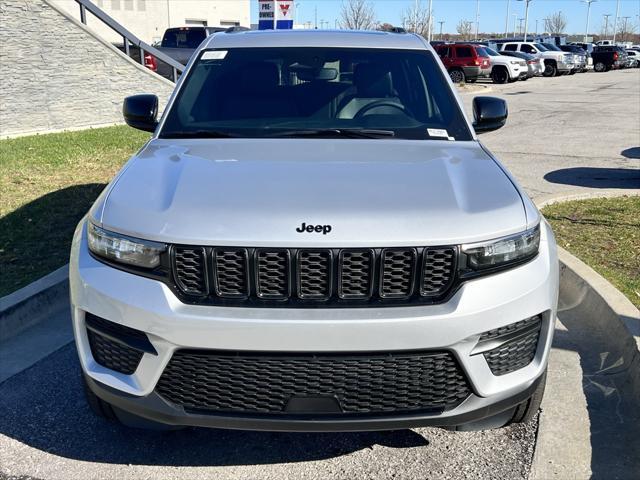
point(214, 54)
point(438, 132)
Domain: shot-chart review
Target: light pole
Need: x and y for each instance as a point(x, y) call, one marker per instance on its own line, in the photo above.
point(520, 26)
point(477, 18)
point(606, 25)
point(624, 28)
point(588, 2)
point(441, 22)
point(506, 22)
point(615, 23)
point(515, 20)
point(526, 16)
point(536, 34)
point(430, 26)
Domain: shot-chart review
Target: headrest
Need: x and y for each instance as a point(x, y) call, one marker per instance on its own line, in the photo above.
point(372, 80)
point(259, 77)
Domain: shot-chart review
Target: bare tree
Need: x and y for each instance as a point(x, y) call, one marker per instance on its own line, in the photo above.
point(465, 29)
point(416, 19)
point(357, 15)
point(626, 29)
point(555, 23)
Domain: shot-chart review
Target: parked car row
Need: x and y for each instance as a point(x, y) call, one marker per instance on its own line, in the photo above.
point(510, 61)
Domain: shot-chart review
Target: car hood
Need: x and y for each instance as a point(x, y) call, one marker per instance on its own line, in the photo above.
point(258, 192)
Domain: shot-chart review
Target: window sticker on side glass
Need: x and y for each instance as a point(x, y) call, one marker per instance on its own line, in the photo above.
point(214, 55)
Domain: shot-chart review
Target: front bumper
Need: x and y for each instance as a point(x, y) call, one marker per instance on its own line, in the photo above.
point(150, 306)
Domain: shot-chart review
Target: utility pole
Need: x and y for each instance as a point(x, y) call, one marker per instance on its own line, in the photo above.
point(526, 16)
point(588, 2)
point(515, 20)
point(506, 22)
point(441, 22)
point(615, 23)
point(430, 20)
point(606, 24)
point(520, 30)
point(477, 18)
point(536, 34)
point(316, 18)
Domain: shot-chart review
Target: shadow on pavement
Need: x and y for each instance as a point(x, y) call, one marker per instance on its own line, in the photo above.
point(633, 152)
point(613, 411)
point(45, 408)
point(594, 177)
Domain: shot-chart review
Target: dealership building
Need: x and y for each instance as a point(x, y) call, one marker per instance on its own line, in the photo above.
point(148, 19)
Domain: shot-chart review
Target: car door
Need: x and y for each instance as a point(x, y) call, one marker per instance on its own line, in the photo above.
point(510, 47)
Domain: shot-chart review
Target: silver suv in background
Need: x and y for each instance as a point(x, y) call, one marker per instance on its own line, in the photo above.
point(314, 239)
point(556, 62)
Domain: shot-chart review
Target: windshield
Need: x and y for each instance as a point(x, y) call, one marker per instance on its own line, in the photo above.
point(551, 47)
point(541, 47)
point(333, 92)
point(183, 37)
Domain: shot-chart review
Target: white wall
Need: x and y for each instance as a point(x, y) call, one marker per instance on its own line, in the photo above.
point(148, 19)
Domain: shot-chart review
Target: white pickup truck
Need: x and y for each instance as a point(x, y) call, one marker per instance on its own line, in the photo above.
point(555, 63)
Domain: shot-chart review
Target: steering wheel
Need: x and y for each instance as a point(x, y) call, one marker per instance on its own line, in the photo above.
point(380, 103)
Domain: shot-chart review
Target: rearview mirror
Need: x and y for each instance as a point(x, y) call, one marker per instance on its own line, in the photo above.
point(489, 113)
point(140, 111)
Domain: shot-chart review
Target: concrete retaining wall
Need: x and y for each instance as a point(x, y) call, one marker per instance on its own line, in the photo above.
point(57, 74)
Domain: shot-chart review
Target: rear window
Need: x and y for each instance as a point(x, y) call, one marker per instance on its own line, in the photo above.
point(183, 38)
point(271, 92)
point(482, 51)
point(510, 47)
point(464, 52)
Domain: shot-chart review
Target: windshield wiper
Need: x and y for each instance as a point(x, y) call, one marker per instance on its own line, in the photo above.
point(198, 134)
point(335, 132)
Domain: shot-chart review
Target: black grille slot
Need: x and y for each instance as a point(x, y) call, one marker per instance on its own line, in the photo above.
point(511, 328)
point(397, 278)
point(438, 267)
point(189, 267)
point(231, 272)
point(218, 382)
point(113, 355)
point(314, 274)
point(272, 271)
point(516, 353)
point(355, 274)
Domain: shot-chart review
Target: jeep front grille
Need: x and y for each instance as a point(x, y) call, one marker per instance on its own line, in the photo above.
point(298, 277)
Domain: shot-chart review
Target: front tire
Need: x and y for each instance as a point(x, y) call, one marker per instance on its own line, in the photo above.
point(600, 67)
point(550, 70)
point(499, 75)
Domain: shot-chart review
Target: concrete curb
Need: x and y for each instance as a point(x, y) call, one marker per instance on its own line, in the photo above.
point(32, 304)
point(602, 319)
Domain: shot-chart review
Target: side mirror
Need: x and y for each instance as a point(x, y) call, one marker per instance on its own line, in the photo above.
point(489, 113)
point(140, 111)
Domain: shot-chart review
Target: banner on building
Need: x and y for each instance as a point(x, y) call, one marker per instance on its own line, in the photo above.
point(284, 14)
point(266, 14)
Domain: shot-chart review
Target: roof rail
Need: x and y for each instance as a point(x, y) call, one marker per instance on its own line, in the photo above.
point(128, 38)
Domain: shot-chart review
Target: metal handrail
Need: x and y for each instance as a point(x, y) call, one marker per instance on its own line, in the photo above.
point(128, 37)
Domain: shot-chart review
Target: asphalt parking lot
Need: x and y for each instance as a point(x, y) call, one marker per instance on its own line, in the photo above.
point(566, 134)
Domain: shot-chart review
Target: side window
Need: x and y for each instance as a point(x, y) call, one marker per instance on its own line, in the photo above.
point(443, 51)
point(464, 52)
point(511, 47)
point(527, 49)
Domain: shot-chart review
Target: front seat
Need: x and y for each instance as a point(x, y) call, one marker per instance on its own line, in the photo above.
point(373, 83)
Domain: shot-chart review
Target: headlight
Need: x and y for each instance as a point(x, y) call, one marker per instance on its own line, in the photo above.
point(514, 62)
point(503, 251)
point(123, 249)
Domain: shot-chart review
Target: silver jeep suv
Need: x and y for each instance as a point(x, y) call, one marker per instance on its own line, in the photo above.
point(314, 239)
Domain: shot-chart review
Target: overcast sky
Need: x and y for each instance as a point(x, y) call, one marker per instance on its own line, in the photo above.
point(492, 12)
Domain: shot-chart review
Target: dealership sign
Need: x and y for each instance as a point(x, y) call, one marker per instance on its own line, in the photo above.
point(275, 14)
